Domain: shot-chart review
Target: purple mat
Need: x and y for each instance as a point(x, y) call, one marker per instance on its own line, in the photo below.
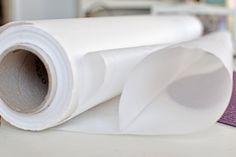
point(229, 117)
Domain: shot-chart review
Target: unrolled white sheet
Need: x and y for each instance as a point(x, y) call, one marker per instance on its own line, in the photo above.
point(52, 71)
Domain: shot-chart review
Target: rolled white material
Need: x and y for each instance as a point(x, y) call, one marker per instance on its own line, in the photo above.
point(54, 70)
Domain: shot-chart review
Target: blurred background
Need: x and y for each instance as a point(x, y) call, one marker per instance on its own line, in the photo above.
point(214, 14)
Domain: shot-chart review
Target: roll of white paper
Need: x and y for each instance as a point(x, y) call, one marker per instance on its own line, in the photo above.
point(54, 70)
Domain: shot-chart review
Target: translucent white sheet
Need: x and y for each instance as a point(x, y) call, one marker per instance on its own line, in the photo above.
point(52, 71)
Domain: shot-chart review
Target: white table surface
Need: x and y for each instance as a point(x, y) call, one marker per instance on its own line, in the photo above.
point(217, 141)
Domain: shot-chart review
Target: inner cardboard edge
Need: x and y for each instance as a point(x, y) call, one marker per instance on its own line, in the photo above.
point(20, 89)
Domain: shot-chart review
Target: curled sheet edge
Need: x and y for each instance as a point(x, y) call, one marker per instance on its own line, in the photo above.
point(188, 96)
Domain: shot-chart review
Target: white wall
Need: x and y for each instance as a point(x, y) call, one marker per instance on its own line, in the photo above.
point(39, 9)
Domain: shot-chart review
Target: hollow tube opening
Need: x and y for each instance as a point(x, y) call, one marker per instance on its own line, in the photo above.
point(24, 81)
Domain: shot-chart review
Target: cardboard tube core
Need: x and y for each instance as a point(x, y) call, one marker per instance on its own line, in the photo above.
point(24, 81)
